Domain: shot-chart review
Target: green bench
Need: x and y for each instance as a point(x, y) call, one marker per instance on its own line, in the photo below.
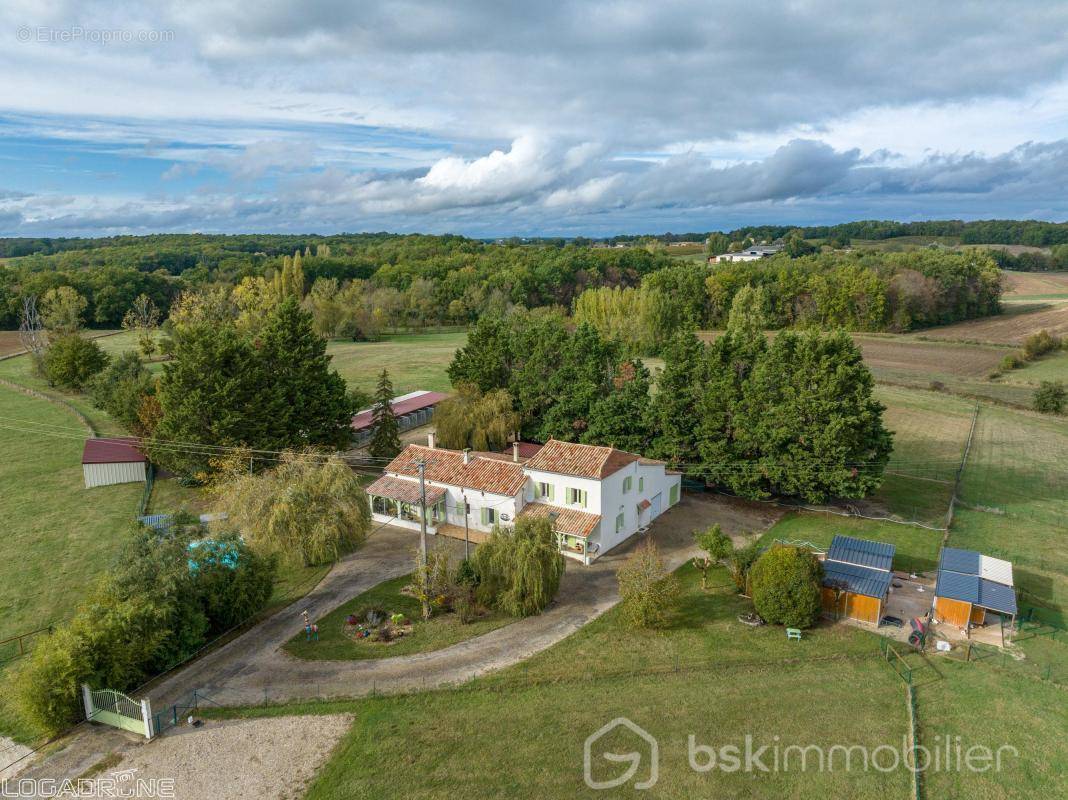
point(793, 633)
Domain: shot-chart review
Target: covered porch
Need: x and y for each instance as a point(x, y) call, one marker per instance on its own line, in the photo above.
point(398, 502)
point(573, 529)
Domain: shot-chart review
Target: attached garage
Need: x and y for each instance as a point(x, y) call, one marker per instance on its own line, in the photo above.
point(856, 579)
point(970, 585)
point(109, 461)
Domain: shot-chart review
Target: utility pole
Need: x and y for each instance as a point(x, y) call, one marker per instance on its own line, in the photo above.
point(425, 588)
point(422, 512)
point(467, 538)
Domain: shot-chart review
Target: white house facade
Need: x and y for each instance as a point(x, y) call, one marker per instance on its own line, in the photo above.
point(597, 497)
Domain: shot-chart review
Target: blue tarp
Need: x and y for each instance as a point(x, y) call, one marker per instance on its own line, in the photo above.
point(213, 552)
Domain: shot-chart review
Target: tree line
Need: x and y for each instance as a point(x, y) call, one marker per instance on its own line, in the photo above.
point(794, 417)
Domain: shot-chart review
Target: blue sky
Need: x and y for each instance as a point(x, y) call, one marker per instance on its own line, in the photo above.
point(570, 117)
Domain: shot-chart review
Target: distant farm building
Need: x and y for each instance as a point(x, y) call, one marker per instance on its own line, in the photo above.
point(109, 461)
point(754, 253)
point(856, 579)
point(970, 585)
point(412, 410)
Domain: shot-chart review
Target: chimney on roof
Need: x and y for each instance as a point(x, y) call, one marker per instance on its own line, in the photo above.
point(467, 455)
point(515, 451)
point(430, 440)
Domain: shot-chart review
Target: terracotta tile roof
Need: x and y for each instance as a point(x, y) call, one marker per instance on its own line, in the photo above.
point(581, 460)
point(498, 476)
point(121, 450)
point(526, 450)
point(404, 490)
point(568, 520)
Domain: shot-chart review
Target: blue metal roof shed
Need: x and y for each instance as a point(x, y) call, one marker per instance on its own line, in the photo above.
point(861, 552)
point(858, 580)
point(965, 590)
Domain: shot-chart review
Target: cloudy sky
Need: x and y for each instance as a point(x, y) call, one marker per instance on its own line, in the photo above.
point(490, 118)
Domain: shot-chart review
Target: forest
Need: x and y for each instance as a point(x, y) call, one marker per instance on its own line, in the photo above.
point(357, 286)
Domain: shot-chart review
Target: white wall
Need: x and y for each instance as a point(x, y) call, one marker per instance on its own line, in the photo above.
point(107, 474)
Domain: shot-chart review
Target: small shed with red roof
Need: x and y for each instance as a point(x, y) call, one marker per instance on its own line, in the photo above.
point(116, 460)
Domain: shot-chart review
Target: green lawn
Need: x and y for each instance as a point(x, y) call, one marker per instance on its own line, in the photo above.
point(520, 733)
point(414, 361)
point(989, 707)
point(930, 429)
point(441, 631)
point(58, 534)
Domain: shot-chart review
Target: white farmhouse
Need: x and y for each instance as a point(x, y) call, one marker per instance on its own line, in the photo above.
point(597, 497)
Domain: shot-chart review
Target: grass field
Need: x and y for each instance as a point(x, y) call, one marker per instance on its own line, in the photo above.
point(414, 361)
point(441, 631)
point(705, 675)
point(1015, 486)
point(58, 533)
point(930, 429)
point(1024, 286)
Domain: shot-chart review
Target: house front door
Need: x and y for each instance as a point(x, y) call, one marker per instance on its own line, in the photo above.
point(655, 510)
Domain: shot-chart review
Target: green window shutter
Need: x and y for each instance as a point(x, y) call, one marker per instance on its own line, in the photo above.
point(483, 516)
point(641, 484)
point(619, 523)
point(627, 482)
point(674, 494)
point(551, 492)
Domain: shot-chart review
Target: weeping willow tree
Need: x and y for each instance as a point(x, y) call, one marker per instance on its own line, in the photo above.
point(519, 569)
point(476, 420)
point(309, 509)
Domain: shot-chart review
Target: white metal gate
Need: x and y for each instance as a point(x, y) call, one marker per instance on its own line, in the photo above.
point(115, 708)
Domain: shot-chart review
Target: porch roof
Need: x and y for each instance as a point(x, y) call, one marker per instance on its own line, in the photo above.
point(565, 520)
point(406, 491)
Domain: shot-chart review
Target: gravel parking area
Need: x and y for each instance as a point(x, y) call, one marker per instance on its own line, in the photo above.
point(270, 759)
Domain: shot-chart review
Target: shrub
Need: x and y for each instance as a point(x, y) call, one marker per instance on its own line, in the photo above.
point(1050, 397)
point(71, 361)
point(739, 564)
point(519, 570)
point(1011, 362)
point(1038, 344)
point(119, 388)
point(647, 591)
point(786, 586)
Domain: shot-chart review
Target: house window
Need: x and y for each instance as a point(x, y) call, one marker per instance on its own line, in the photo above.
point(674, 495)
point(619, 522)
point(383, 505)
point(409, 512)
point(627, 483)
point(489, 516)
point(576, 497)
point(543, 490)
point(641, 483)
point(437, 513)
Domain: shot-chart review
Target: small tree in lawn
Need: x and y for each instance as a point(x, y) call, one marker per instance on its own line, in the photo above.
point(385, 437)
point(72, 362)
point(717, 547)
point(647, 590)
point(786, 586)
point(431, 585)
point(1050, 397)
point(740, 562)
